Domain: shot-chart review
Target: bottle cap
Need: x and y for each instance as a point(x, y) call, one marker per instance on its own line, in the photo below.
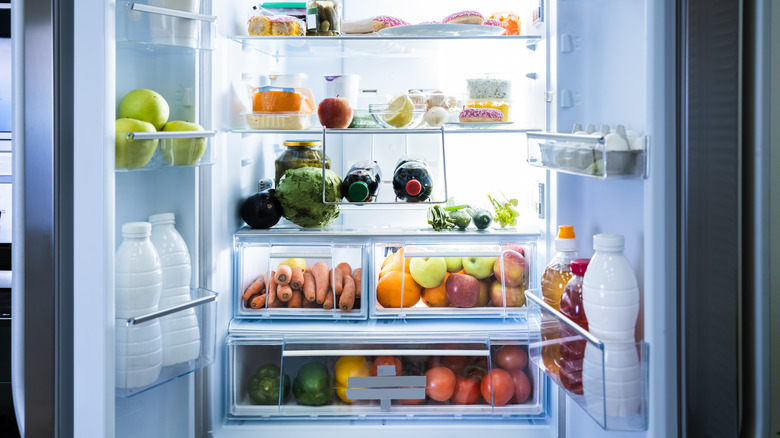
point(413, 187)
point(162, 218)
point(566, 239)
point(265, 184)
point(608, 242)
point(358, 191)
point(137, 229)
point(579, 266)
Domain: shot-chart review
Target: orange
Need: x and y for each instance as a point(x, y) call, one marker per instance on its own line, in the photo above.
point(390, 292)
point(399, 258)
point(388, 259)
point(436, 296)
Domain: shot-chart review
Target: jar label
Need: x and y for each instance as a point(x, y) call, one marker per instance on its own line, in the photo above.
point(311, 19)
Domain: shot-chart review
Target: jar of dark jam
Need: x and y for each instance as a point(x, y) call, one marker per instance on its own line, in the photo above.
point(300, 153)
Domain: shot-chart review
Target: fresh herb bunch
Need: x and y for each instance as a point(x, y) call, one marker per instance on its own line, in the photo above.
point(439, 219)
point(505, 211)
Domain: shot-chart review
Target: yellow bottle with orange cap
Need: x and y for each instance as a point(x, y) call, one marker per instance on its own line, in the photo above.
point(554, 280)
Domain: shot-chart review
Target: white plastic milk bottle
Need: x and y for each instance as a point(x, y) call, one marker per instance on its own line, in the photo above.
point(138, 287)
point(180, 330)
point(610, 296)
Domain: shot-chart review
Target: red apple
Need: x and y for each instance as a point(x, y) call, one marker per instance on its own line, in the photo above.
point(515, 295)
point(334, 113)
point(484, 292)
point(515, 267)
point(462, 290)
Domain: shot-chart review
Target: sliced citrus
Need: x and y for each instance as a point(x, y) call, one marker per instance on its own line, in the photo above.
point(399, 111)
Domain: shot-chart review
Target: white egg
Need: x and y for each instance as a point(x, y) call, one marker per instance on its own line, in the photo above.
point(614, 142)
point(436, 116)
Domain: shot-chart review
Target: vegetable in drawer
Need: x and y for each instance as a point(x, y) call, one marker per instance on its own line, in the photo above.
point(267, 384)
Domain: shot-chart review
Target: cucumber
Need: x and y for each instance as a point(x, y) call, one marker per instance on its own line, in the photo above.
point(482, 218)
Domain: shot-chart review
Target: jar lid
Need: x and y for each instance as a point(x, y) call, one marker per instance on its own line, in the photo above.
point(579, 266)
point(162, 218)
point(608, 242)
point(136, 229)
point(303, 143)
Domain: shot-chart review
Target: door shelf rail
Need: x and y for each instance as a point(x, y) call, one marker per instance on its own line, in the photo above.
point(171, 149)
point(164, 28)
point(609, 380)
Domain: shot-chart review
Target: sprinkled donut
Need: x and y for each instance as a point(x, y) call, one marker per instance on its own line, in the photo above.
point(465, 17)
point(481, 115)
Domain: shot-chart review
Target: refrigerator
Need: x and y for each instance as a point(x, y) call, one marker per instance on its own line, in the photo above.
point(617, 64)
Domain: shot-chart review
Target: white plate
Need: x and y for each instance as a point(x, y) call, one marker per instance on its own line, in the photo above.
point(478, 125)
point(435, 30)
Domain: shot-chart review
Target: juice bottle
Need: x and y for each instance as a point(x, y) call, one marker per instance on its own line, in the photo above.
point(554, 280)
point(572, 352)
point(412, 180)
point(361, 184)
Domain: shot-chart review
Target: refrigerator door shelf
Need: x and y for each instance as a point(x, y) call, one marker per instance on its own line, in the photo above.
point(174, 149)
point(166, 28)
point(370, 377)
point(607, 379)
point(202, 306)
point(587, 155)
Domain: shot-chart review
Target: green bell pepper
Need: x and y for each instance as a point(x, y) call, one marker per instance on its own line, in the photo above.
point(265, 384)
point(313, 386)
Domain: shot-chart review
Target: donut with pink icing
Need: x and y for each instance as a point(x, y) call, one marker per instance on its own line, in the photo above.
point(373, 24)
point(465, 17)
point(492, 22)
point(383, 21)
point(480, 115)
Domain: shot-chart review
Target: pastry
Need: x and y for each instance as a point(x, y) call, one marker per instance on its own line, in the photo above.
point(471, 115)
point(465, 17)
point(510, 22)
point(280, 25)
point(374, 24)
point(492, 22)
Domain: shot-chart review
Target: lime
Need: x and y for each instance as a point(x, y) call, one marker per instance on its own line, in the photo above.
point(399, 111)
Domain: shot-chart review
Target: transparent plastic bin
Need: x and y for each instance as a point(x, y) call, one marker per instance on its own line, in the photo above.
point(403, 296)
point(203, 303)
point(165, 26)
point(174, 149)
point(381, 377)
point(253, 258)
point(586, 155)
point(607, 379)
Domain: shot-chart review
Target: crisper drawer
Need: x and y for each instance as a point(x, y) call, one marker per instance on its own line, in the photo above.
point(458, 279)
point(309, 281)
point(381, 377)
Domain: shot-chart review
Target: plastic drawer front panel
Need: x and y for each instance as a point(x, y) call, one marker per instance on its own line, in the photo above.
point(156, 348)
point(287, 378)
point(607, 379)
point(452, 280)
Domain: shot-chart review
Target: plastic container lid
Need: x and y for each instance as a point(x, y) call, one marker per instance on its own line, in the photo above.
point(162, 218)
point(579, 266)
point(358, 191)
point(566, 239)
point(137, 229)
point(608, 242)
point(413, 187)
point(284, 5)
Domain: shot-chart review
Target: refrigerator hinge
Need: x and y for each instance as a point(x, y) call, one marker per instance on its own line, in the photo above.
point(548, 96)
point(540, 202)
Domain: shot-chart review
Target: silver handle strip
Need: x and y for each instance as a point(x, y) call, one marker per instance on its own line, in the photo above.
point(172, 12)
point(385, 381)
point(387, 352)
point(566, 137)
point(385, 393)
point(301, 255)
point(194, 303)
point(172, 134)
point(5, 6)
point(451, 254)
point(571, 324)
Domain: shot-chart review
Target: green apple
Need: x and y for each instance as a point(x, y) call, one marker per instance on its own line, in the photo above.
point(454, 264)
point(428, 271)
point(479, 267)
point(182, 151)
point(145, 105)
point(132, 154)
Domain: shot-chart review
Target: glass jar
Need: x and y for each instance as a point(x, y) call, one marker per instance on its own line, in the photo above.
point(323, 17)
point(299, 153)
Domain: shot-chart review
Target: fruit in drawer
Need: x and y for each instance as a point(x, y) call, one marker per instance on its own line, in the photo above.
point(313, 386)
point(515, 295)
point(183, 151)
point(514, 269)
point(462, 290)
point(439, 383)
point(522, 385)
point(397, 289)
point(428, 271)
point(467, 390)
point(484, 292)
point(132, 154)
point(497, 387)
point(479, 267)
point(436, 296)
point(145, 105)
point(454, 264)
point(510, 357)
point(386, 360)
point(334, 112)
point(346, 367)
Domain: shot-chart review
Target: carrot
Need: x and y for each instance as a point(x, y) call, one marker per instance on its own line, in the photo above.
point(338, 280)
point(284, 292)
point(296, 279)
point(271, 289)
point(320, 273)
point(257, 301)
point(347, 298)
point(328, 302)
point(345, 268)
point(283, 274)
point(310, 304)
point(308, 286)
point(296, 300)
point(277, 303)
point(357, 276)
point(254, 288)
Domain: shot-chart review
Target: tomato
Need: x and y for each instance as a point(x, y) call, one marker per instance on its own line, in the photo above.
point(510, 357)
point(522, 385)
point(439, 383)
point(457, 364)
point(412, 401)
point(478, 368)
point(386, 360)
point(346, 367)
point(466, 391)
point(497, 387)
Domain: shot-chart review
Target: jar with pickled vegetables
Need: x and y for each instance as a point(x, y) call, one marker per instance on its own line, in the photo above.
point(323, 18)
point(300, 153)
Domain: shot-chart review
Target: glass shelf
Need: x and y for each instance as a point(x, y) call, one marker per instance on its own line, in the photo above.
point(517, 129)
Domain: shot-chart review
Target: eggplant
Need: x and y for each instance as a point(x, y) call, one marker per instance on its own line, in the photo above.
point(261, 210)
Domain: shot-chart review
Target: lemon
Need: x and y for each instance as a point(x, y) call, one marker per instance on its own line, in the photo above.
point(294, 263)
point(399, 111)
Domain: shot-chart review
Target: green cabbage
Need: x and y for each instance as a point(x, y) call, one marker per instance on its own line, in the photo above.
point(300, 194)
